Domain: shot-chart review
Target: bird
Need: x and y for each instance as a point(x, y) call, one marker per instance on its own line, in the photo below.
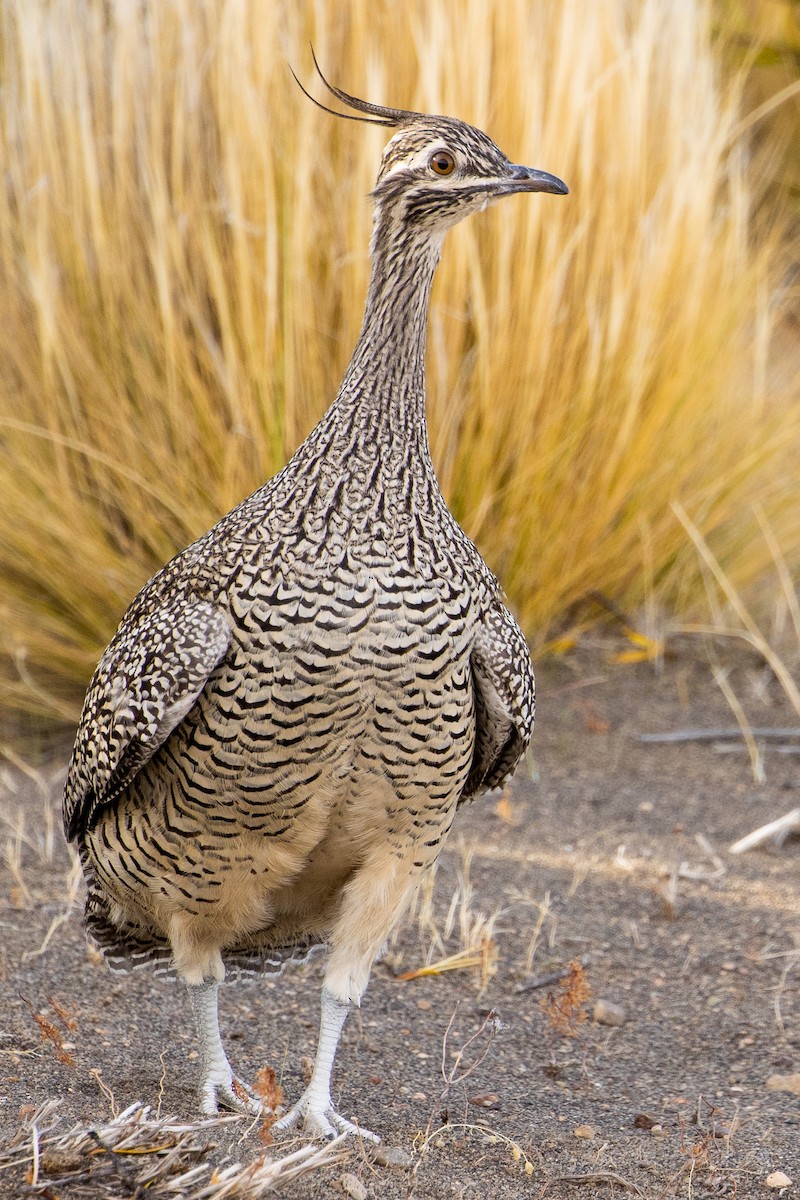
point(275, 742)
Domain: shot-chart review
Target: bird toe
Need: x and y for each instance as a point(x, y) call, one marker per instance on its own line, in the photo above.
point(322, 1124)
point(344, 1126)
point(234, 1096)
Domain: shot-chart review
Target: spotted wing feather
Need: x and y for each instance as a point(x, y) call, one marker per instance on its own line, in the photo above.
point(503, 685)
point(146, 682)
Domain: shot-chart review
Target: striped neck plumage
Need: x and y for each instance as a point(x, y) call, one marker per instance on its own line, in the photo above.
point(383, 390)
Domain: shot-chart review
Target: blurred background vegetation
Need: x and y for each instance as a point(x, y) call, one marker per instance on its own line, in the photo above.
point(184, 257)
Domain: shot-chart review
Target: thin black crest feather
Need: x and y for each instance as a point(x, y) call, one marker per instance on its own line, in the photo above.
point(378, 114)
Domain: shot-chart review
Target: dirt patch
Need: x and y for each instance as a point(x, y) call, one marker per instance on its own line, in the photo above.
point(613, 855)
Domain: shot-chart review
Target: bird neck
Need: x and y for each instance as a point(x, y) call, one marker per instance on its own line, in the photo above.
point(391, 345)
point(380, 408)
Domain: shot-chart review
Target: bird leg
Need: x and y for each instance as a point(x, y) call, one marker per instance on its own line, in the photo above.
point(315, 1107)
point(219, 1085)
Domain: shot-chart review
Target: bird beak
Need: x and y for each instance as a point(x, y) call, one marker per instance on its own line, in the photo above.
point(528, 179)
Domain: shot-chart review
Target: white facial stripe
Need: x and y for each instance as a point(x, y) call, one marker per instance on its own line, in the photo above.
point(421, 160)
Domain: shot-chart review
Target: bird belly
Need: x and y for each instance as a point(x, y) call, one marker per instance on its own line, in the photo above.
point(316, 750)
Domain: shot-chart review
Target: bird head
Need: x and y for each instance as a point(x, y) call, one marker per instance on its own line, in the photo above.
point(436, 170)
point(443, 169)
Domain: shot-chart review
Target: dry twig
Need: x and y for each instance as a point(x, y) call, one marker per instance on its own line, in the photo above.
point(770, 733)
point(159, 1157)
point(778, 829)
point(540, 981)
point(610, 1177)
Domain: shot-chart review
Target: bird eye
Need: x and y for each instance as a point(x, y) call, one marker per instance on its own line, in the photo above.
point(442, 162)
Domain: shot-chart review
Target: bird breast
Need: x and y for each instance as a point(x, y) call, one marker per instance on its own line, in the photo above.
point(339, 699)
point(343, 669)
point(340, 725)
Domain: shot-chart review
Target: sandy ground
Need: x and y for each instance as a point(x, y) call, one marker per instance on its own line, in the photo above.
point(613, 854)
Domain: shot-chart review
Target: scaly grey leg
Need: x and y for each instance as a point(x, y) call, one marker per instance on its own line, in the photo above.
point(219, 1085)
point(315, 1107)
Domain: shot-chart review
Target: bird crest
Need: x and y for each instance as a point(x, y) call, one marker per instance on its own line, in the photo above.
point(371, 114)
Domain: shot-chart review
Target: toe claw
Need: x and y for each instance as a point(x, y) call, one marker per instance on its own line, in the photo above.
point(235, 1096)
point(321, 1123)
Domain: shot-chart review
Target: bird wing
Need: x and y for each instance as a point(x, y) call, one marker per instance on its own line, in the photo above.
point(503, 686)
point(149, 677)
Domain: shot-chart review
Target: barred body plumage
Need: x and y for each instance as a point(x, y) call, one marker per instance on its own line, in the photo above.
point(275, 742)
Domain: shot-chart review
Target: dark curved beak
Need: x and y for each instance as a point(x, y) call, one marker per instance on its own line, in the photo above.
point(528, 179)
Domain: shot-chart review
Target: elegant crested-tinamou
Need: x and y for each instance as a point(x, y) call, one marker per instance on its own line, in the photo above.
point(276, 740)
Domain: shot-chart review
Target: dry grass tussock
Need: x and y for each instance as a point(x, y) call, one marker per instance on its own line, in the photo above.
point(458, 938)
point(447, 930)
point(183, 259)
point(143, 1153)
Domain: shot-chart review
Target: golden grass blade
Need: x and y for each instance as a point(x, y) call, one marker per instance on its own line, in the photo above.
point(769, 106)
point(756, 757)
point(462, 960)
point(784, 575)
point(750, 631)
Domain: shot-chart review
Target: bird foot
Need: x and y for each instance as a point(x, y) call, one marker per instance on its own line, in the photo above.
point(321, 1120)
point(231, 1093)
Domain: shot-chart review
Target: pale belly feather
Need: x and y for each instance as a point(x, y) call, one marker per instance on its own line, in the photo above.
point(315, 752)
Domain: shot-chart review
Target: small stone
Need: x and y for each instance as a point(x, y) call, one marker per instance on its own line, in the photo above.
point(607, 1013)
point(644, 1121)
point(486, 1100)
point(777, 1179)
point(658, 1131)
point(784, 1083)
point(392, 1156)
point(352, 1186)
point(424, 1005)
point(419, 1096)
point(585, 1131)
